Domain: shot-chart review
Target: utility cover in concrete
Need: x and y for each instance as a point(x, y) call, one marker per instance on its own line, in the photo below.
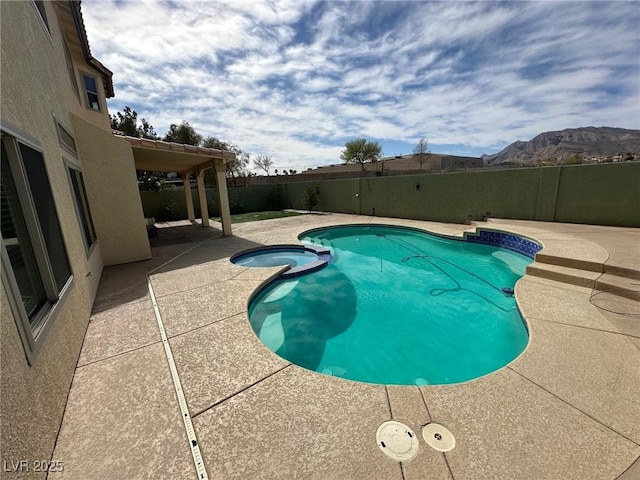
point(397, 441)
point(438, 437)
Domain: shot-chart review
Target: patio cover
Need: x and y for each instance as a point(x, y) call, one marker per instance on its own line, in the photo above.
point(159, 156)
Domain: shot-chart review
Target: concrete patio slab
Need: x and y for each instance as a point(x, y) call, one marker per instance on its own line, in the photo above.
point(571, 248)
point(508, 427)
point(119, 330)
point(183, 231)
point(199, 275)
point(221, 359)
point(127, 283)
point(633, 473)
point(553, 301)
point(199, 255)
point(581, 366)
point(622, 312)
point(122, 421)
point(201, 306)
point(455, 229)
point(408, 407)
point(298, 424)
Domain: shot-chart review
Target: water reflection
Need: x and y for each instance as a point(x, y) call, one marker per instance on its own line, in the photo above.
point(295, 318)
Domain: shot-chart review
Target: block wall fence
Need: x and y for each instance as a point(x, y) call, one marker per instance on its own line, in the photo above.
point(606, 194)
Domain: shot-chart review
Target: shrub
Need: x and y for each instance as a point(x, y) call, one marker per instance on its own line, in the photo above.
point(168, 211)
point(311, 198)
point(276, 199)
point(235, 207)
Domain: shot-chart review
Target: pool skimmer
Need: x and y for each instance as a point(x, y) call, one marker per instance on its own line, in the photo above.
point(397, 441)
point(438, 437)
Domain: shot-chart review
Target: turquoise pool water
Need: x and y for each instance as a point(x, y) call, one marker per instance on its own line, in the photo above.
point(273, 257)
point(396, 306)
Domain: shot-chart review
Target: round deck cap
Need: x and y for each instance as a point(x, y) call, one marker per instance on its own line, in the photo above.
point(397, 441)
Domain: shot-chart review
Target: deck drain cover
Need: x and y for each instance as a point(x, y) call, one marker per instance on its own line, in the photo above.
point(438, 437)
point(397, 441)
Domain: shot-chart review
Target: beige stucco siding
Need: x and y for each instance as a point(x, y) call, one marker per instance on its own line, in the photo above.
point(33, 398)
point(112, 187)
point(34, 93)
point(78, 103)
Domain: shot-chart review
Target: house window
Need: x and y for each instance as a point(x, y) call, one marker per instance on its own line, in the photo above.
point(39, 4)
point(72, 74)
point(91, 87)
point(66, 139)
point(35, 266)
point(82, 206)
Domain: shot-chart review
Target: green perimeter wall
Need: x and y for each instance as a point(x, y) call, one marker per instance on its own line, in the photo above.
point(606, 194)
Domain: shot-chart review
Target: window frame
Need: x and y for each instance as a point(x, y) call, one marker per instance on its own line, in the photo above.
point(71, 70)
point(60, 128)
point(86, 91)
point(42, 17)
point(86, 207)
point(32, 334)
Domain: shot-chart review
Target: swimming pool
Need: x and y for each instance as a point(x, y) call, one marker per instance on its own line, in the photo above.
point(398, 306)
point(275, 256)
point(301, 259)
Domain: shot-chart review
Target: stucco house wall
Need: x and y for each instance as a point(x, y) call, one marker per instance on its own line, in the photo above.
point(112, 187)
point(36, 93)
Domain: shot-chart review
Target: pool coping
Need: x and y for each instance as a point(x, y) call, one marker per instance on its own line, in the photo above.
point(289, 272)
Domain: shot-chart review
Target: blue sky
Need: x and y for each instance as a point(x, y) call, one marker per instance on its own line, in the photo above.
point(296, 79)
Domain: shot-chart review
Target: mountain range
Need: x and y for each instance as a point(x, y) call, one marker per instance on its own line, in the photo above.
point(589, 143)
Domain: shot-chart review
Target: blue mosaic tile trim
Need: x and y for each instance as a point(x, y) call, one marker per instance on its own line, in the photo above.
point(506, 240)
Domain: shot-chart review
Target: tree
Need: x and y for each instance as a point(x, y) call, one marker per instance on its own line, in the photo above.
point(235, 168)
point(183, 133)
point(127, 122)
point(361, 151)
point(263, 162)
point(422, 151)
point(146, 130)
point(574, 160)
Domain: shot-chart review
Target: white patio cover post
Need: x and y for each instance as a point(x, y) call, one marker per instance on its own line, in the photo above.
point(202, 195)
point(187, 196)
point(223, 198)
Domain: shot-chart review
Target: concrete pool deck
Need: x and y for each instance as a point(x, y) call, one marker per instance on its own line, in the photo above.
point(568, 407)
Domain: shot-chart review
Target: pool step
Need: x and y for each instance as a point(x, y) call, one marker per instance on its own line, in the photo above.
point(620, 281)
point(622, 272)
point(574, 263)
point(620, 286)
point(560, 273)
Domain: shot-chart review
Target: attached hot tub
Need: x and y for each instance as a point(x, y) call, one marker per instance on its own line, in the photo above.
point(301, 259)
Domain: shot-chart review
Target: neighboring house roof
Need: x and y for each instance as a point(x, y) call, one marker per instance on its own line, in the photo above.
point(156, 155)
point(84, 43)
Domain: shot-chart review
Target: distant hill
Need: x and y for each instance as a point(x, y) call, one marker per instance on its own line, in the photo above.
point(590, 143)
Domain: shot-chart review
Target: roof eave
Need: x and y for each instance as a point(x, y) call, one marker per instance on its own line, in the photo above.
point(84, 42)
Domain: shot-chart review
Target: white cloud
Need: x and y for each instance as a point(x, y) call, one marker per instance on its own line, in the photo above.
point(296, 79)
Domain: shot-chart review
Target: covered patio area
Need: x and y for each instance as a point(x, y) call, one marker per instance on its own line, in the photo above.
point(187, 160)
